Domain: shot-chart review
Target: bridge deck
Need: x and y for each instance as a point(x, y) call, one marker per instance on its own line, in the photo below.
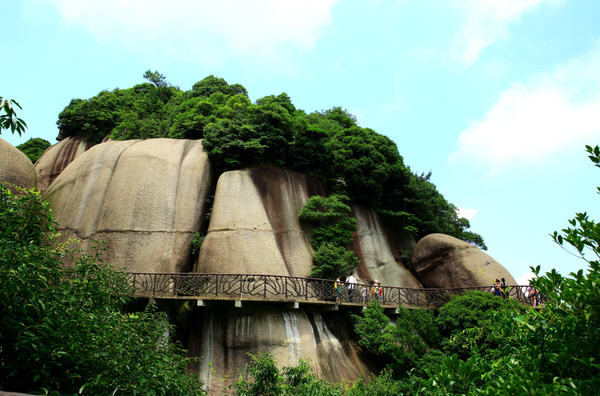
point(293, 290)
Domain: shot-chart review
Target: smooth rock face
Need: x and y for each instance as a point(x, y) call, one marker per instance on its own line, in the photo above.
point(254, 229)
point(56, 158)
point(379, 258)
point(146, 199)
point(15, 167)
point(223, 336)
point(254, 226)
point(444, 261)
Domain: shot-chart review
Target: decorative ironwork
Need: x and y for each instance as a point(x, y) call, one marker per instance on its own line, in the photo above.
point(290, 288)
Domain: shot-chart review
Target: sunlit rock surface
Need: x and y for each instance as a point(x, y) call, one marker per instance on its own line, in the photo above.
point(56, 158)
point(223, 337)
point(444, 261)
point(146, 199)
point(254, 226)
point(379, 258)
point(15, 167)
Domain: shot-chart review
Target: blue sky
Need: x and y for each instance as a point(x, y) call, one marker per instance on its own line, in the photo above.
point(496, 98)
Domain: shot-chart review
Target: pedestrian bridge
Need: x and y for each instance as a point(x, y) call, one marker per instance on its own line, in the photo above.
point(240, 288)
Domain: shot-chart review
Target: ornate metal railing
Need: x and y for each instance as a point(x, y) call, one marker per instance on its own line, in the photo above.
point(291, 288)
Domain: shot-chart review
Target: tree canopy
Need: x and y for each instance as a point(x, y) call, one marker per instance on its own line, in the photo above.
point(328, 145)
point(34, 148)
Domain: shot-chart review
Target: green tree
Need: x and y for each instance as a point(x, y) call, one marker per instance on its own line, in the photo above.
point(340, 116)
point(64, 331)
point(262, 378)
point(211, 84)
point(34, 148)
point(471, 310)
point(364, 160)
point(9, 119)
point(402, 343)
point(331, 235)
point(249, 134)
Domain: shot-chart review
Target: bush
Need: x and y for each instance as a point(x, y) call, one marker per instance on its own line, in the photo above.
point(64, 331)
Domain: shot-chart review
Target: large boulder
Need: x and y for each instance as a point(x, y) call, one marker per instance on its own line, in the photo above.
point(146, 199)
point(15, 167)
point(379, 258)
point(254, 226)
point(56, 158)
point(441, 261)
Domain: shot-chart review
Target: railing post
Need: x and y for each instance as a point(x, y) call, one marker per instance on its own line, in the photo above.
point(265, 288)
point(306, 289)
point(322, 291)
point(217, 286)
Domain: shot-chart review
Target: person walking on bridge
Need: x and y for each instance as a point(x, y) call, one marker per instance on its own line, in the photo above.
point(351, 284)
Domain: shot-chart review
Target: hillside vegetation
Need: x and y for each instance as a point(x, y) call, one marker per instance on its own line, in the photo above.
point(329, 145)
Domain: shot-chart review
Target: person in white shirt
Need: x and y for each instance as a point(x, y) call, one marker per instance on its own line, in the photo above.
point(351, 283)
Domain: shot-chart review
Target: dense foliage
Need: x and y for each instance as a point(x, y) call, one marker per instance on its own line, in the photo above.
point(401, 344)
point(34, 148)
point(332, 233)
point(64, 331)
point(328, 145)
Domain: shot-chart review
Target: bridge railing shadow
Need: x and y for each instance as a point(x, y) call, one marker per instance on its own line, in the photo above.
point(291, 288)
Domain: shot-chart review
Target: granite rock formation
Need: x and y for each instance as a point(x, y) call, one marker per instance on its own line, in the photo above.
point(254, 226)
point(376, 249)
point(56, 158)
point(223, 336)
point(441, 261)
point(15, 167)
point(146, 199)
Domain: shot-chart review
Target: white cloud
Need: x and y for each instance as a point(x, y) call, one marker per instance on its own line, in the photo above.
point(538, 118)
point(202, 30)
point(525, 278)
point(467, 213)
point(486, 22)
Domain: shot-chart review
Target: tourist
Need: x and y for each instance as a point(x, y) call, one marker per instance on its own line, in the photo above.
point(351, 283)
point(374, 290)
point(504, 285)
point(338, 289)
point(379, 292)
point(497, 290)
point(532, 294)
point(364, 291)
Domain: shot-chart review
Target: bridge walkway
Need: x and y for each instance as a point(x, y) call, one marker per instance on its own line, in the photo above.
point(294, 291)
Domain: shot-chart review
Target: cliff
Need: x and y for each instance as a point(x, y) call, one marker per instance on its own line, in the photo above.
point(147, 199)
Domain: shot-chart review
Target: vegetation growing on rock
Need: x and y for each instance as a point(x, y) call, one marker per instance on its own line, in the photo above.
point(332, 233)
point(328, 145)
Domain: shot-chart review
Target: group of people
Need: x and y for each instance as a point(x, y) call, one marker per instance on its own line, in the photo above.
point(500, 289)
point(373, 290)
